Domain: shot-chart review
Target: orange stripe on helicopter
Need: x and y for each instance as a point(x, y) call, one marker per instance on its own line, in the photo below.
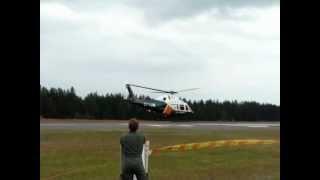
point(167, 111)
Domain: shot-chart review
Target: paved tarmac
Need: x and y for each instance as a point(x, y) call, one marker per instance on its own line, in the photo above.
point(112, 124)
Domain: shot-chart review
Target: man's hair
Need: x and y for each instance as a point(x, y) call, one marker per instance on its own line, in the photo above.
point(133, 125)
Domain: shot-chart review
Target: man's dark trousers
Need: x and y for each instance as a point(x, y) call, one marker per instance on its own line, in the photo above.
point(133, 166)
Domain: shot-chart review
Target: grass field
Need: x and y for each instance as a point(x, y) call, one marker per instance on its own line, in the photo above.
point(94, 155)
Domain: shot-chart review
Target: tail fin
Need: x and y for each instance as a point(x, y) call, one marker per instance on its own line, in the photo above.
point(131, 96)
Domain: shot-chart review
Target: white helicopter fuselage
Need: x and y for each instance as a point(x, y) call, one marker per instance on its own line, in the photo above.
point(176, 104)
point(167, 105)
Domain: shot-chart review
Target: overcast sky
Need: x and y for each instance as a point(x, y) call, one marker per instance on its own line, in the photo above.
point(230, 49)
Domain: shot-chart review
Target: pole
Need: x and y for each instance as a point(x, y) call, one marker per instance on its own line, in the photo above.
point(146, 154)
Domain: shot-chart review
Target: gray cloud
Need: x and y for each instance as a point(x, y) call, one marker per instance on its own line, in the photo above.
point(170, 9)
point(157, 11)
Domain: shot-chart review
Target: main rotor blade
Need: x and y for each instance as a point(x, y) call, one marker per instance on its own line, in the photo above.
point(188, 90)
point(175, 92)
point(159, 90)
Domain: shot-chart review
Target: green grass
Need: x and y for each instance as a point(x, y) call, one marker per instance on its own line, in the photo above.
point(93, 155)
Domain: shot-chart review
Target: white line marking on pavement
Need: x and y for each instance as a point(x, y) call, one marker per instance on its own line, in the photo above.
point(156, 125)
point(184, 125)
point(239, 125)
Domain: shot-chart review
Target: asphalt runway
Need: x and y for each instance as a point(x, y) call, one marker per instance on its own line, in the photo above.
point(111, 125)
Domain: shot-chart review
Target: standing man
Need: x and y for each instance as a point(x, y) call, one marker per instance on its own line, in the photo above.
point(131, 151)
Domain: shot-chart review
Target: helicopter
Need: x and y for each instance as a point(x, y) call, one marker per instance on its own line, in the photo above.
point(168, 105)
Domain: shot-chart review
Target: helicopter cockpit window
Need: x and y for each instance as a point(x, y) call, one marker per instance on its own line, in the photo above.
point(182, 107)
point(187, 108)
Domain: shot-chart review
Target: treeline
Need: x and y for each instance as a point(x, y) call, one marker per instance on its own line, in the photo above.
point(60, 103)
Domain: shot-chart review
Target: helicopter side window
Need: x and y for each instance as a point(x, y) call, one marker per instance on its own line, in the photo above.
point(182, 107)
point(164, 98)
